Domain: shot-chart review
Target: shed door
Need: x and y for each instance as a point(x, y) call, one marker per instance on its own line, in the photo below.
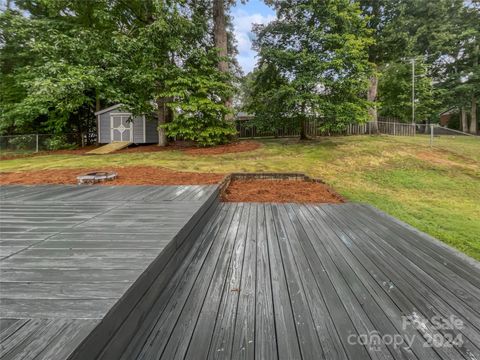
point(122, 129)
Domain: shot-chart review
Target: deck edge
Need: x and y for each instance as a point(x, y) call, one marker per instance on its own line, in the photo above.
point(462, 256)
point(115, 330)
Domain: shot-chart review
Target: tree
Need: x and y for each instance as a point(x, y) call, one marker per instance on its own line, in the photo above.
point(395, 86)
point(220, 33)
point(200, 106)
point(447, 34)
point(316, 59)
point(131, 52)
point(54, 66)
point(267, 95)
point(389, 41)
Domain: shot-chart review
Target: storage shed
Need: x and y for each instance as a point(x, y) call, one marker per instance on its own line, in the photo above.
point(116, 124)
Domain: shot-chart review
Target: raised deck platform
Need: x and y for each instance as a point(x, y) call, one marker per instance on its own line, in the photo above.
point(82, 278)
point(78, 263)
point(314, 282)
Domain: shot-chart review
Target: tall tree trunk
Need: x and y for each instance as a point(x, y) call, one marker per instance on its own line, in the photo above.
point(220, 32)
point(303, 130)
point(97, 108)
point(463, 115)
point(473, 119)
point(372, 97)
point(97, 101)
point(221, 40)
point(162, 120)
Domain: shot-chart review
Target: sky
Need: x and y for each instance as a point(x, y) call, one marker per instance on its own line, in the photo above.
point(244, 16)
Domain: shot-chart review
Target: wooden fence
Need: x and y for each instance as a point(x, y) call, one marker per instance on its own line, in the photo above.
point(313, 129)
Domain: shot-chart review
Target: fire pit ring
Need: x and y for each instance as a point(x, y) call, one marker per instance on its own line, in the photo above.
point(96, 176)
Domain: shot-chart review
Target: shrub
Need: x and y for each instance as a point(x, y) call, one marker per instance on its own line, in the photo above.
point(58, 142)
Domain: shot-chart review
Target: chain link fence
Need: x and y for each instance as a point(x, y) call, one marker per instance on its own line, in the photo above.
point(33, 143)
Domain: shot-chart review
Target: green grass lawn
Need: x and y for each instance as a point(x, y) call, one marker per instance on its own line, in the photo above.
point(434, 189)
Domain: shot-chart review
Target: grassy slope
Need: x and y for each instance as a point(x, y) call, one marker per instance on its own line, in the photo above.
point(436, 190)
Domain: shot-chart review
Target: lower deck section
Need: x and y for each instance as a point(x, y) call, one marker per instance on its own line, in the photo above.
point(269, 281)
point(77, 263)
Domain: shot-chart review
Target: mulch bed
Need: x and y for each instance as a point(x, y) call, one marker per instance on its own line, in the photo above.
point(280, 191)
point(132, 175)
point(240, 146)
point(190, 149)
point(187, 148)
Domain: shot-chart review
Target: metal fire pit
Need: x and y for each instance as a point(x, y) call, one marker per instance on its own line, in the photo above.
point(95, 177)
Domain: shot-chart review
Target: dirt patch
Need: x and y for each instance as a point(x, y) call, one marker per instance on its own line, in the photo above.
point(240, 146)
point(281, 191)
point(132, 175)
point(440, 159)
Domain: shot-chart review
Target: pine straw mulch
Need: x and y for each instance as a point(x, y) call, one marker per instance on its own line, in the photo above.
point(187, 148)
point(280, 191)
point(190, 149)
point(131, 175)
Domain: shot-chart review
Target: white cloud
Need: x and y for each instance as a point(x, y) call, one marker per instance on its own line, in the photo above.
point(243, 23)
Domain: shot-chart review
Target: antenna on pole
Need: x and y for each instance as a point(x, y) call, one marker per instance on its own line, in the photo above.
point(413, 90)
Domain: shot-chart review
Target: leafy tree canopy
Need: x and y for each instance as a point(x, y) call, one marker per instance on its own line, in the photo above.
point(138, 53)
point(313, 62)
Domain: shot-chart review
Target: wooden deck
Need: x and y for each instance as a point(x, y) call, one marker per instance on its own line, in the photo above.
point(303, 282)
point(78, 261)
point(141, 272)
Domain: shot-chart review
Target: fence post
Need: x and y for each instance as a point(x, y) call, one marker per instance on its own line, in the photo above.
point(394, 129)
point(36, 143)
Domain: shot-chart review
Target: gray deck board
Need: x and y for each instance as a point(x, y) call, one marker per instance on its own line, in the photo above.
point(296, 281)
point(429, 303)
point(70, 254)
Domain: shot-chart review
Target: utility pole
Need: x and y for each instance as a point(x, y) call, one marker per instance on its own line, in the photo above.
point(413, 90)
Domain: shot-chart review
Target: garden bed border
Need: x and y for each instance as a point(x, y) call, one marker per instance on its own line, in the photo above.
point(275, 176)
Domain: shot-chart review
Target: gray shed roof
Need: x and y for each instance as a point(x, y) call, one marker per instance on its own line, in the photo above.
point(108, 109)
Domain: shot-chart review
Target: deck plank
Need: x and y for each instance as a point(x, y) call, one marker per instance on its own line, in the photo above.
point(187, 268)
point(265, 336)
point(288, 345)
point(224, 331)
point(244, 336)
point(429, 306)
point(211, 272)
point(308, 339)
point(202, 335)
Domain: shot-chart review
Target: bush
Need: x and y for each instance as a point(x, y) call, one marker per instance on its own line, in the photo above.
point(206, 131)
point(58, 142)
